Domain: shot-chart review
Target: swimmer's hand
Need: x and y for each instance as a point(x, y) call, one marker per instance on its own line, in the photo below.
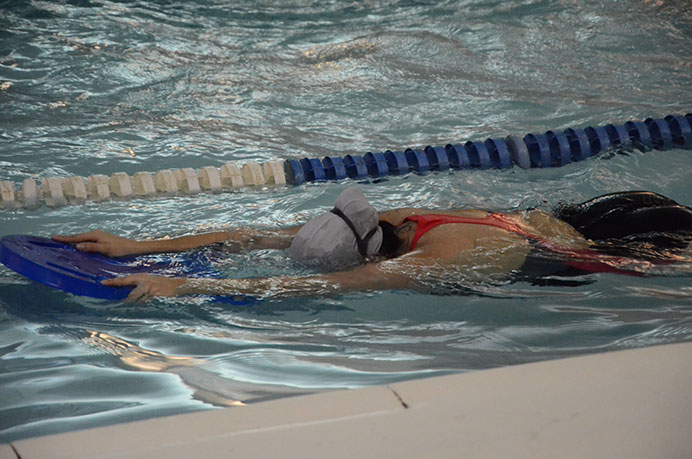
point(98, 241)
point(146, 286)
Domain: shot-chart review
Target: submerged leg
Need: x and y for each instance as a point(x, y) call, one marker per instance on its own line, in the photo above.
point(635, 224)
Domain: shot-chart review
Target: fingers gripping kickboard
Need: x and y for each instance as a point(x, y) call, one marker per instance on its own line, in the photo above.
point(64, 267)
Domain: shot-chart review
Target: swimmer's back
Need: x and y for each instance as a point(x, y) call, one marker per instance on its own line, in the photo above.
point(483, 249)
point(536, 222)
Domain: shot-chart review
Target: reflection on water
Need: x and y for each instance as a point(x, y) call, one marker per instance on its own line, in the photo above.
point(207, 386)
point(134, 356)
point(682, 293)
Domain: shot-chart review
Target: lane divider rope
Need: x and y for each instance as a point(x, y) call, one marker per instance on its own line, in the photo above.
point(550, 149)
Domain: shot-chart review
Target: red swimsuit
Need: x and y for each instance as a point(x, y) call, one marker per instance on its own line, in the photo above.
point(585, 259)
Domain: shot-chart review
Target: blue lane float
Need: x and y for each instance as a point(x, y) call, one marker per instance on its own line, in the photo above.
point(355, 166)
point(396, 162)
point(294, 172)
point(533, 150)
point(376, 164)
point(313, 170)
point(417, 160)
point(539, 150)
point(618, 134)
point(334, 168)
point(660, 133)
point(598, 138)
point(437, 158)
point(458, 156)
point(499, 153)
point(579, 144)
point(639, 133)
point(478, 154)
point(560, 151)
point(680, 129)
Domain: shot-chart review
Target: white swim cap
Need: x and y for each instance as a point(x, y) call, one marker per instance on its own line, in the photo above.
point(344, 235)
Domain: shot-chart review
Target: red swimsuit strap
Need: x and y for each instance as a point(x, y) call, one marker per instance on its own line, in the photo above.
point(584, 259)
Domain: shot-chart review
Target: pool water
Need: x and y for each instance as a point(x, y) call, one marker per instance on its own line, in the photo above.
point(92, 87)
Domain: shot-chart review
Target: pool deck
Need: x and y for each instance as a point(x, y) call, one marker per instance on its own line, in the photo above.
point(627, 404)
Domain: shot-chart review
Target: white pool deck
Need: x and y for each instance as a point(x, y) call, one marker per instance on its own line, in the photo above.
point(626, 404)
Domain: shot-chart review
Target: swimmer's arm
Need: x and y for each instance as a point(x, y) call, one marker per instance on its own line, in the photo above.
point(238, 240)
point(408, 272)
point(376, 276)
point(98, 241)
point(365, 278)
point(256, 239)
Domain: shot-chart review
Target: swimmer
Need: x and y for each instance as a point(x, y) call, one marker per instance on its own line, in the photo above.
point(397, 249)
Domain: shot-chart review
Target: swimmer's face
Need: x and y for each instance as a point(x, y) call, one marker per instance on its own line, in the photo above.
point(395, 239)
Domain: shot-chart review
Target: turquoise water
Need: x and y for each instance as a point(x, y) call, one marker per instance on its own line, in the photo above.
point(98, 87)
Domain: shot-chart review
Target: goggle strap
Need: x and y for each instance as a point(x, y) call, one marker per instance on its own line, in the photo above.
point(362, 243)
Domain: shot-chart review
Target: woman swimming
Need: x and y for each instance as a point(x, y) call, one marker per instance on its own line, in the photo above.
point(399, 249)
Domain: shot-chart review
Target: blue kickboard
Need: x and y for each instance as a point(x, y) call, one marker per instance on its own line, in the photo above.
point(64, 267)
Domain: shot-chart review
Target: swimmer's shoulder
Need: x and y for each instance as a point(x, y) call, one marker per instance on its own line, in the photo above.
point(396, 216)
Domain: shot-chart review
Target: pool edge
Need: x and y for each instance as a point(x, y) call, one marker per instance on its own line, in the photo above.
point(631, 403)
